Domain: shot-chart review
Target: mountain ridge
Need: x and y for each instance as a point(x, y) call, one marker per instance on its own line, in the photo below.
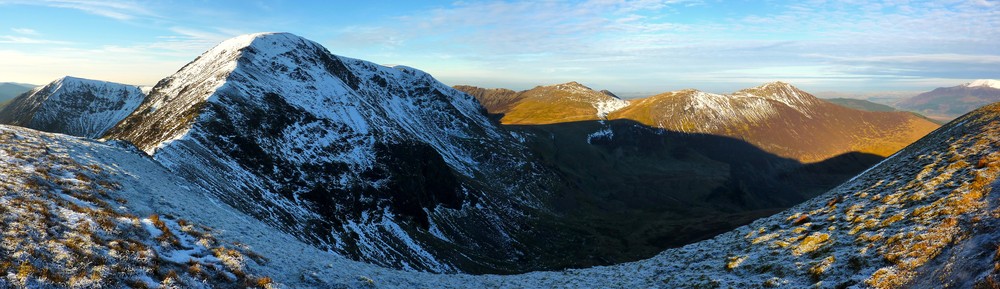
point(774, 116)
point(947, 103)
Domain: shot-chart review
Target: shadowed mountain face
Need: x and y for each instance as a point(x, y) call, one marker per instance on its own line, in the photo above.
point(946, 103)
point(643, 189)
point(776, 117)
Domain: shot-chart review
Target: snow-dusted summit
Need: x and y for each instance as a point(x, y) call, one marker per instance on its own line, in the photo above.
point(383, 164)
point(557, 103)
point(73, 106)
point(991, 83)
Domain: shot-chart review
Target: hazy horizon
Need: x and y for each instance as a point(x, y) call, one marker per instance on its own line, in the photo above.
point(623, 46)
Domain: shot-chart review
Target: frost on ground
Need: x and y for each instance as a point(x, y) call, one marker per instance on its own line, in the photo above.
point(63, 228)
point(926, 218)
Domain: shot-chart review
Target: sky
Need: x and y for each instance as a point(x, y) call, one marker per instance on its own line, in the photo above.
point(639, 47)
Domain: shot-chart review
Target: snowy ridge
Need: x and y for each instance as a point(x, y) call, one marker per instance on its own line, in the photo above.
point(573, 87)
point(74, 106)
point(784, 93)
point(991, 83)
point(70, 220)
point(319, 144)
point(705, 112)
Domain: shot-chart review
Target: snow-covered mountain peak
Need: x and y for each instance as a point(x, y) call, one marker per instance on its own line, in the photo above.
point(991, 83)
point(257, 40)
point(73, 106)
point(604, 102)
point(67, 81)
point(784, 93)
point(307, 134)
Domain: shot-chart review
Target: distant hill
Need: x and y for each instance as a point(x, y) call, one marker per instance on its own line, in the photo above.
point(10, 90)
point(548, 104)
point(946, 103)
point(860, 104)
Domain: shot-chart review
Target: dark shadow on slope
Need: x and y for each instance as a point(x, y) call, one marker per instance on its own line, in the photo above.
point(632, 191)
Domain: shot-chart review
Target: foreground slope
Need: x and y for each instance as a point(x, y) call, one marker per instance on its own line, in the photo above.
point(75, 215)
point(73, 106)
point(946, 103)
point(383, 164)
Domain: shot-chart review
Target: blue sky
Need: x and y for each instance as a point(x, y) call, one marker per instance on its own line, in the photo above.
point(625, 46)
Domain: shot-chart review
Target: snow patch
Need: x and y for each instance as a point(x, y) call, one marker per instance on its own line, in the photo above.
point(607, 106)
point(604, 133)
point(991, 83)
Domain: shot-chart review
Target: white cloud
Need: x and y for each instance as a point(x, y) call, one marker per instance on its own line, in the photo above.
point(25, 31)
point(115, 9)
point(10, 39)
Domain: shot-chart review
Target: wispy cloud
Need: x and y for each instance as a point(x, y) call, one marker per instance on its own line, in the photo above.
point(918, 58)
point(25, 31)
point(115, 9)
point(647, 45)
point(10, 39)
point(635, 43)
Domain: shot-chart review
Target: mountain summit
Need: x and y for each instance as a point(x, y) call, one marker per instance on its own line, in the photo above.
point(566, 102)
point(383, 164)
point(73, 106)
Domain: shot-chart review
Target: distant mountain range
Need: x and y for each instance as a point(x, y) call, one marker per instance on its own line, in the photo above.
point(860, 104)
point(946, 103)
point(776, 117)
